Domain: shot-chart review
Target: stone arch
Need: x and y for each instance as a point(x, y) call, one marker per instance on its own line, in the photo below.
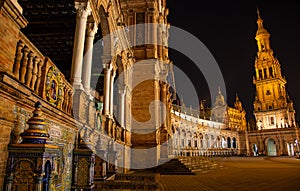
point(189, 139)
point(228, 142)
point(120, 75)
point(219, 142)
point(201, 140)
point(234, 145)
point(101, 51)
point(271, 147)
point(207, 142)
point(213, 141)
point(105, 29)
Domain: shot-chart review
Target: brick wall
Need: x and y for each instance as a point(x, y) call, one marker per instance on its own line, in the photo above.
point(6, 124)
point(8, 41)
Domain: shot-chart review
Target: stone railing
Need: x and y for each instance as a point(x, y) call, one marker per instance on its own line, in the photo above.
point(41, 76)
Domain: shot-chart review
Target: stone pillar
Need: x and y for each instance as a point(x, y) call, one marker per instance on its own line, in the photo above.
point(163, 94)
point(88, 54)
point(83, 10)
point(100, 162)
point(111, 159)
point(39, 182)
point(9, 182)
point(111, 104)
point(121, 107)
point(107, 74)
point(247, 143)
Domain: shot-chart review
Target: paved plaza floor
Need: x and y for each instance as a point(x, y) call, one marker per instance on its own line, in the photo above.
point(239, 174)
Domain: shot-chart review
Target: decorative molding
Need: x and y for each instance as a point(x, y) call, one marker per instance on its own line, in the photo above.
point(83, 9)
point(15, 12)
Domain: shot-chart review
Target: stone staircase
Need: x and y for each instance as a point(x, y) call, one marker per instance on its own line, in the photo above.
point(138, 180)
point(148, 179)
point(173, 166)
point(199, 164)
point(187, 166)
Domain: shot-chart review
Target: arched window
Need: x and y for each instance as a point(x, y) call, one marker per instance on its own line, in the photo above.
point(234, 143)
point(228, 142)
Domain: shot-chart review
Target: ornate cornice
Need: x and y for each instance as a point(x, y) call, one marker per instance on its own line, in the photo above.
point(12, 88)
point(14, 10)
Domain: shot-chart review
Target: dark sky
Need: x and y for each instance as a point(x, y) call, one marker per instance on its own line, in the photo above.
point(228, 28)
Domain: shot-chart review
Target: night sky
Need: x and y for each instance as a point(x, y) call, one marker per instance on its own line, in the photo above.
point(228, 28)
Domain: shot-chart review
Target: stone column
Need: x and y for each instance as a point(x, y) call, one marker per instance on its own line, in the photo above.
point(39, 182)
point(121, 107)
point(107, 74)
point(163, 96)
point(247, 143)
point(91, 30)
point(83, 10)
point(9, 179)
point(111, 105)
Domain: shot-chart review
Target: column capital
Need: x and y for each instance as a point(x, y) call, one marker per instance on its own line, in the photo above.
point(107, 67)
point(121, 88)
point(83, 9)
point(91, 29)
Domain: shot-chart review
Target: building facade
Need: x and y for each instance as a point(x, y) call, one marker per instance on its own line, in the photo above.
point(220, 131)
point(275, 132)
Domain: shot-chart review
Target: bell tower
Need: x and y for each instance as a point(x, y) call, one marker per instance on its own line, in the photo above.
point(272, 106)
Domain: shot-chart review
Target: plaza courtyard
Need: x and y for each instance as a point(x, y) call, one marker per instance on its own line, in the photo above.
point(240, 173)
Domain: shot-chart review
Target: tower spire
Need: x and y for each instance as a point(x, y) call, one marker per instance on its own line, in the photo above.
point(261, 30)
point(258, 15)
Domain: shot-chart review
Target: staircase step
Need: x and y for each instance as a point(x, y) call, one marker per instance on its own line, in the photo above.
point(173, 167)
point(145, 180)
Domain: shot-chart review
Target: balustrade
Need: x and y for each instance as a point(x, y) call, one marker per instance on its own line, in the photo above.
point(40, 74)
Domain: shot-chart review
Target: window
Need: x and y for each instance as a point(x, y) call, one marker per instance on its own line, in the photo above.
point(140, 29)
point(189, 143)
point(271, 72)
point(268, 92)
point(272, 121)
point(260, 74)
point(265, 72)
point(195, 143)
